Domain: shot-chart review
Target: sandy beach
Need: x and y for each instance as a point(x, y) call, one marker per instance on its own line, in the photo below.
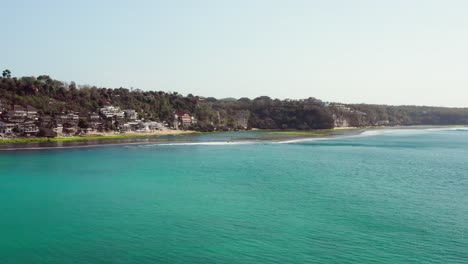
point(165, 132)
point(97, 136)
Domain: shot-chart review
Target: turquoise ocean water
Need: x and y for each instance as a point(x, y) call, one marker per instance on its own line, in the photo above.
point(392, 196)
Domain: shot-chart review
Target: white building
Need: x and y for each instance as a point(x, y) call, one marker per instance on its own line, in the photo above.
point(148, 126)
point(67, 117)
point(28, 128)
point(111, 111)
point(6, 128)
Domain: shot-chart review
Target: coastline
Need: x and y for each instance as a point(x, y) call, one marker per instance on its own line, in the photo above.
point(97, 136)
point(187, 137)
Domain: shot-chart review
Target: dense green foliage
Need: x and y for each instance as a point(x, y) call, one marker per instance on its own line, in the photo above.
point(51, 97)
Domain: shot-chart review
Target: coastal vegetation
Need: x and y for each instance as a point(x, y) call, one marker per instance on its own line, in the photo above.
point(85, 138)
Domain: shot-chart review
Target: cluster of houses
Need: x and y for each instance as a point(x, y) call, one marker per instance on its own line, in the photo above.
point(26, 121)
point(19, 120)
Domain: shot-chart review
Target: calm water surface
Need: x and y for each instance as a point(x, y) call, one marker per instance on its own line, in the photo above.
point(398, 196)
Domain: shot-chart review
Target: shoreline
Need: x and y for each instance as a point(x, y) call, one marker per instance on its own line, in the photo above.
point(107, 139)
point(97, 136)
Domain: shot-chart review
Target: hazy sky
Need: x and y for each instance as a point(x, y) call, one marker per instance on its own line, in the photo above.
point(393, 51)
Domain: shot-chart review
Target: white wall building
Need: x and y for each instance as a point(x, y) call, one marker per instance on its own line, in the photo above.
point(111, 111)
point(6, 128)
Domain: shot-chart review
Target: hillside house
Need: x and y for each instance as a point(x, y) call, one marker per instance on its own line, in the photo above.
point(131, 114)
point(16, 115)
point(111, 111)
point(19, 111)
point(31, 112)
point(6, 128)
point(186, 120)
point(94, 117)
point(67, 118)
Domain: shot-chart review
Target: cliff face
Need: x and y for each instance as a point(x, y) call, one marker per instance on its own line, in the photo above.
point(340, 121)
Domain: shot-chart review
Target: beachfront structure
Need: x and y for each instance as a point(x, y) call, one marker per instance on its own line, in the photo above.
point(131, 126)
point(149, 126)
point(6, 128)
point(125, 127)
point(140, 126)
point(186, 120)
point(28, 129)
point(111, 111)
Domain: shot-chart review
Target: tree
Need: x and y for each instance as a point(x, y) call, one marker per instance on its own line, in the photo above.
point(46, 132)
point(6, 74)
point(83, 123)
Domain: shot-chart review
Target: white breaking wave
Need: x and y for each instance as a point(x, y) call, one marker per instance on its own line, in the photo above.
point(370, 133)
point(376, 132)
point(138, 145)
point(459, 129)
point(415, 131)
point(367, 133)
point(300, 140)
